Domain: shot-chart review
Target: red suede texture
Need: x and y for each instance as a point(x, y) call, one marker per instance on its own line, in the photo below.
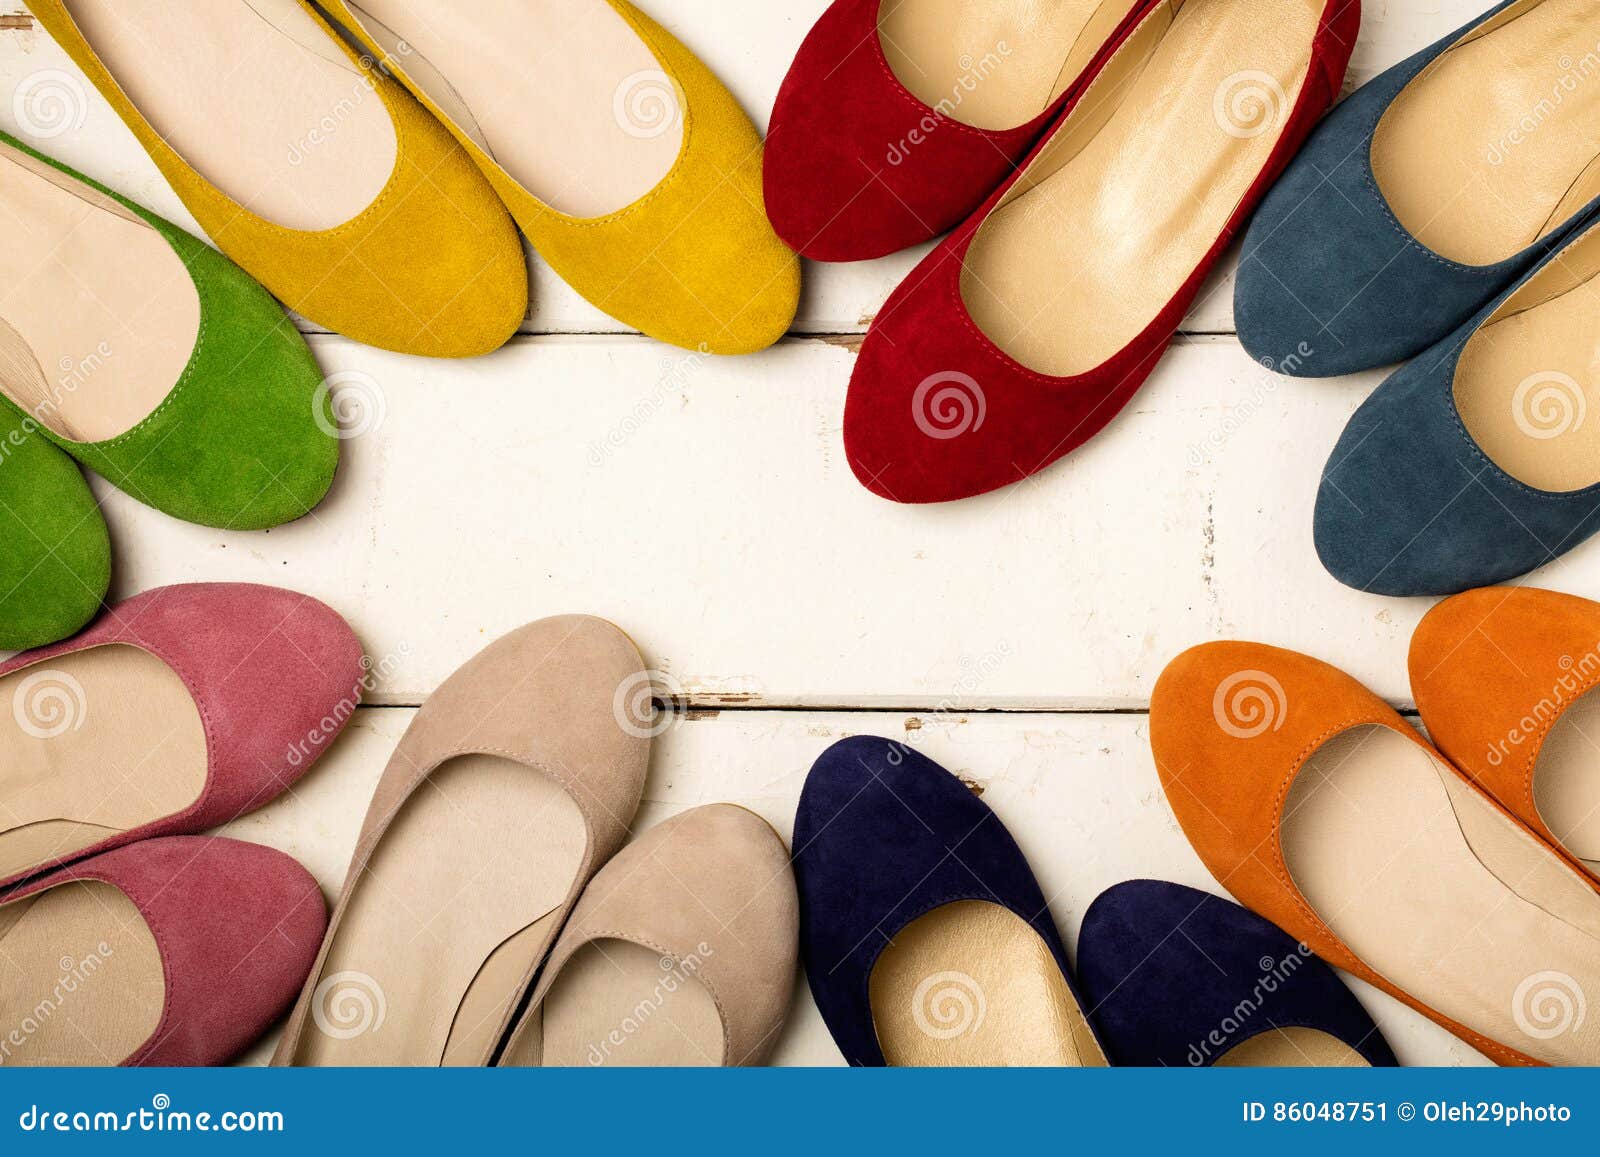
point(237, 926)
point(857, 167)
point(1029, 419)
point(268, 669)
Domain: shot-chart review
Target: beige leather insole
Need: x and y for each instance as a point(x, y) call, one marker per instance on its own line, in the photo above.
point(1117, 211)
point(994, 64)
point(93, 744)
point(1292, 1048)
point(1566, 780)
point(256, 97)
point(617, 1003)
point(970, 983)
point(456, 905)
point(561, 93)
point(1497, 142)
point(98, 316)
point(81, 981)
point(1444, 896)
point(1528, 382)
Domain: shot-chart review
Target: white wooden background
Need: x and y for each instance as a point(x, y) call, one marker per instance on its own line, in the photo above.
point(706, 506)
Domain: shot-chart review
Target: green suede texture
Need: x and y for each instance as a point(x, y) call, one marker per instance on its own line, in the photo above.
point(55, 558)
point(246, 439)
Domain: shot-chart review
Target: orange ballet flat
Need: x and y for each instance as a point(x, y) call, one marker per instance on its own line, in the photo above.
point(1317, 806)
point(1502, 676)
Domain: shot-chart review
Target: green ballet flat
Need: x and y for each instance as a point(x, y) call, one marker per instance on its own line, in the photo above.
point(152, 359)
point(55, 557)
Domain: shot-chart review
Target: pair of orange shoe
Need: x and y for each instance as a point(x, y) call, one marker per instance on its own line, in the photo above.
point(1459, 878)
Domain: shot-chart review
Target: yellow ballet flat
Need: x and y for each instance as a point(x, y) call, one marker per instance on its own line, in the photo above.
point(628, 164)
point(310, 167)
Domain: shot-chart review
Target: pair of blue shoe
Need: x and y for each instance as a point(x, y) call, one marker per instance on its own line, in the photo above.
point(1449, 213)
point(927, 941)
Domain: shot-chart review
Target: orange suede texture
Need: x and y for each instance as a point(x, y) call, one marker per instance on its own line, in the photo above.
point(1492, 670)
point(433, 266)
point(1231, 724)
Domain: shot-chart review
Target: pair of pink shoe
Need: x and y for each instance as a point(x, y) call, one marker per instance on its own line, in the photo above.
point(125, 938)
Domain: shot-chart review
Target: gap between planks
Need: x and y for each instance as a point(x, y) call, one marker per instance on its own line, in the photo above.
point(693, 712)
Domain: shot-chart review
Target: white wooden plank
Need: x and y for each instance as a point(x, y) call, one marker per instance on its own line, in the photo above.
point(1079, 793)
point(705, 504)
point(749, 45)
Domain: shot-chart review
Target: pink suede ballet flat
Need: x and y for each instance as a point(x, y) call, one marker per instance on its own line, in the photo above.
point(175, 711)
point(178, 951)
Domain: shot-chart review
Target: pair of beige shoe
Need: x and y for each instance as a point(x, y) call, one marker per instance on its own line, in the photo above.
point(489, 865)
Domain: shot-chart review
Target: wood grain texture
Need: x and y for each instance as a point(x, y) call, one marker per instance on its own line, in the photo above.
point(706, 506)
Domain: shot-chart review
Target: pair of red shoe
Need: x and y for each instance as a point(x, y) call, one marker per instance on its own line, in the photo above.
point(1094, 158)
point(125, 938)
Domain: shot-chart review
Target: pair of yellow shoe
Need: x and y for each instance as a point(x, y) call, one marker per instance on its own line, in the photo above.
point(382, 213)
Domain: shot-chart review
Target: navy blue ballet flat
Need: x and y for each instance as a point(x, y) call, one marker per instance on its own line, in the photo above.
point(1178, 977)
point(1479, 460)
point(1425, 194)
point(925, 937)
